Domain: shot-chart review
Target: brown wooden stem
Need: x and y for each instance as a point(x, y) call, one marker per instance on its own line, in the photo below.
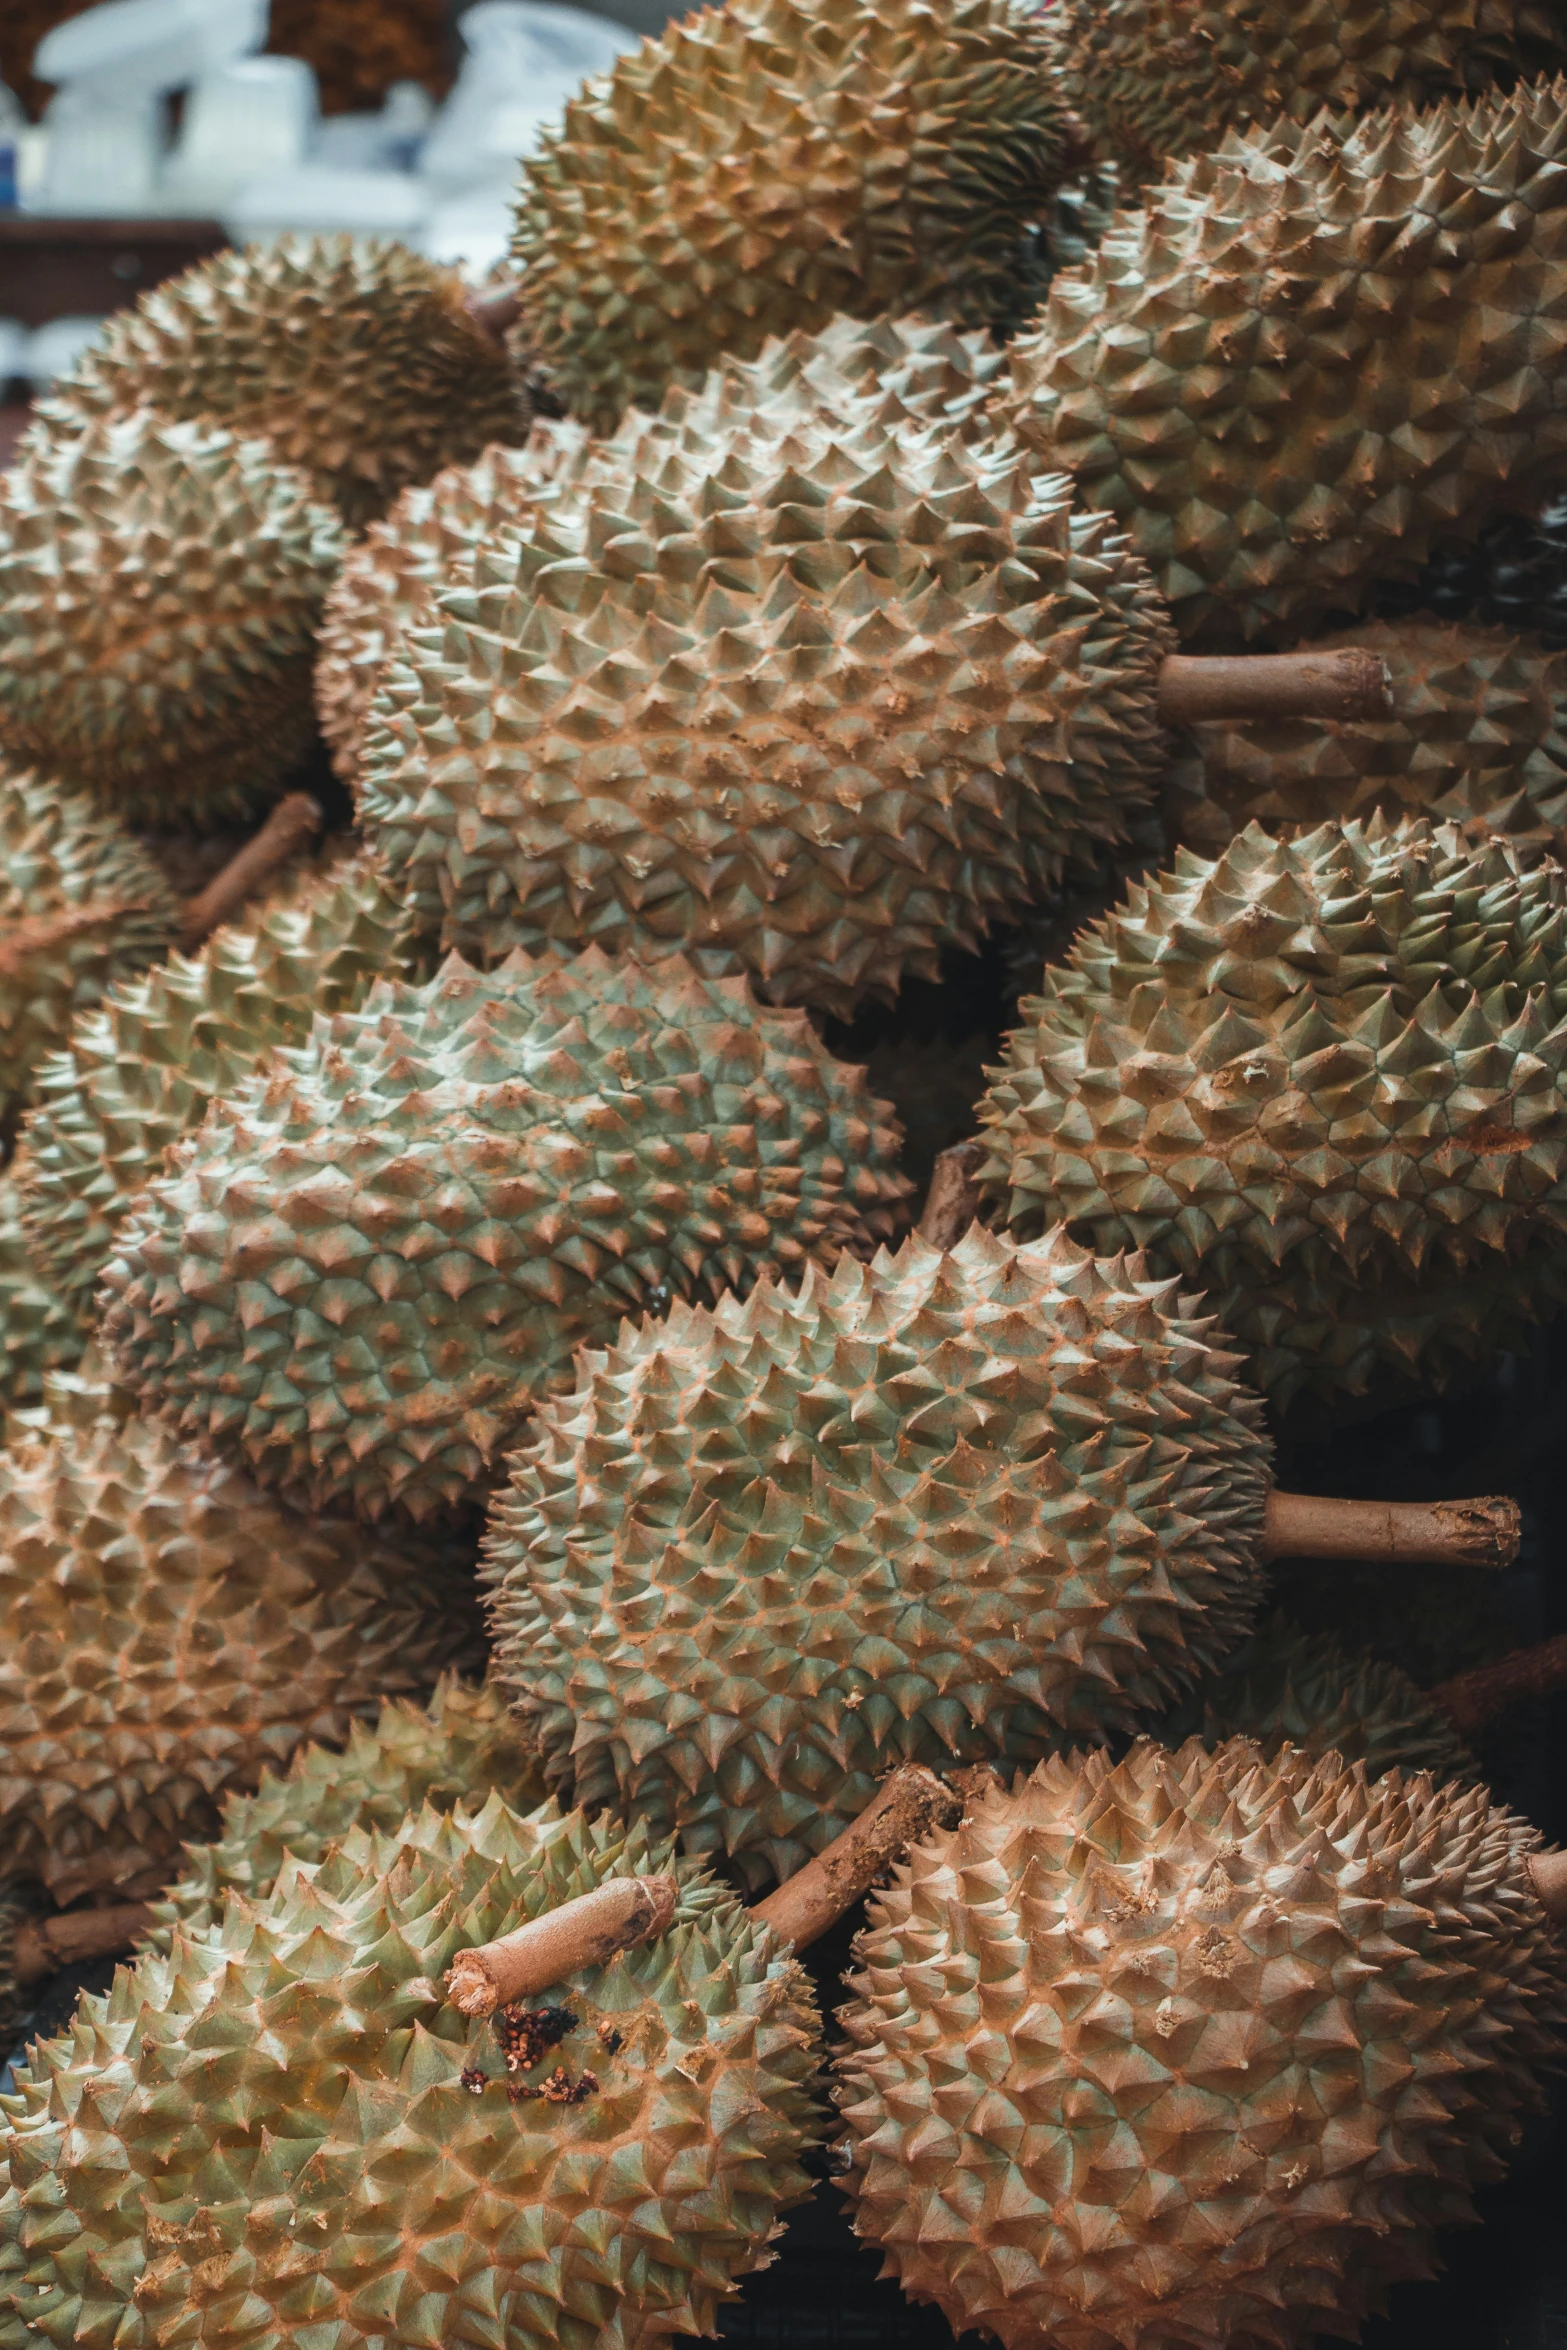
point(908, 1805)
point(1479, 1533)
point(1548, 1875)
point(581, 1933)
point(953, 1201)
point(1350, 684)
point(40, 1945)
point(496, 309)
point(292, 822)
point(1472, 1699)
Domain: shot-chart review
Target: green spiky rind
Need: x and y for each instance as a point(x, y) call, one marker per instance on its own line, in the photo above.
point(1158, 79)
point(160, 589)
point(295, 2155)
point(1196, 2047)
point(1324, 1080)
point(168, 1630)
point(39, 1333)
point(377, 1254)
point(809, 675)
point(762, 167)
point(464, 1745)
point(386, 579)
point(1245, 376)
point(1286, 1687)
point(1477, 730)
point(60, 857)
point(141, 1070)
point(938, 1508)
point(355, 357)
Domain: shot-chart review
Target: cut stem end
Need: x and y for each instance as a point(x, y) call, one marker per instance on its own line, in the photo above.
point(1481, 1533)
point(1346, 685)
point(907, 1807)
point(581, 1933)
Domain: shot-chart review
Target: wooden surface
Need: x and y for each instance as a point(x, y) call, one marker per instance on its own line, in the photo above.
point(58, 268)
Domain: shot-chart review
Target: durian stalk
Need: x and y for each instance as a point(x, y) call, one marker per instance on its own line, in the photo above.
point(293, 821)
point(1548, 1876)
point(628, 1910)
point(581, 1933)
point(1479, 1533)
point(909, 1805)
point(1470, 1700)
point(1344, 685)
point(496, 309)
point(952, 1202)
point(40, 1945)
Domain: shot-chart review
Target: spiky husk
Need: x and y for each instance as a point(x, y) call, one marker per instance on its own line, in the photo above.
point(809, 675)
point(385, 582)
point(1302, 366)
point(356, 358)
point(1158, 79)
point(160, 589)
point(1197, 2048)
point(378, 1254)
point(38, 1331)
point(1286, 1687)
point(300, 2142)
point(141, 1070)
point(463, 1746)
point(1322, 1079)
point(167, 1630)
point(938, 1508)
point(763, 166)
point(1477, 736)
point(81, 905)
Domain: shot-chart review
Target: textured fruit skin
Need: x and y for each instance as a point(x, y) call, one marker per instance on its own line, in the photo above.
point(765, 165)
point(1286, 1687)
point(808, 674)
point(356, 358)
point(160, 588)
point(61, 857)
point(940, 1507)
point(38, 1331)
point(1303, 365)
point(1195, 2049)
point(167, 1630)
point(1158, 79)
point(386, 577)
point(464, 1745)
point(299, 2152)
point(1324, 1079)
point(1478, 730)
point(140, 1071)
point(379, 1252)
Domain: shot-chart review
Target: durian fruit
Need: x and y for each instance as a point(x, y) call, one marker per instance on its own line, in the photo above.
point(380, 1252)
point(937, 1508)
point(386, 578)
point(360, 361)
point(762, 166)
point(1323, 1079)
point(1285, 1687)
point(307, 2145)
point(168, 1630)
point(81, 905)
point(139, 1072)
point(1158, 79)
point(1477, 735)
point(809, 675)
point(38, 1331)
point(464, 1745)
point(1312, 358)
point(160, 589)
point(1195, 2048)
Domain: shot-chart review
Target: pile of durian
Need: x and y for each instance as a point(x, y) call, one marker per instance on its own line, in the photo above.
point(573, 1412)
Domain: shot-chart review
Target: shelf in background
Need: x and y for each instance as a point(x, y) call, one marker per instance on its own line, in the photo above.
point(55, 267)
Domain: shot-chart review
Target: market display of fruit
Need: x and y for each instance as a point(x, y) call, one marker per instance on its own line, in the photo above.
point(783, 1159)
